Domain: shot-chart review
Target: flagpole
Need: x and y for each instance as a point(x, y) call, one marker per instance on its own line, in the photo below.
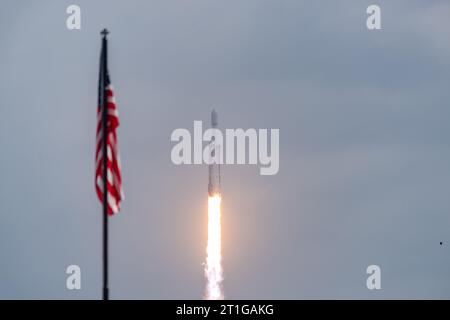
point(104, 33)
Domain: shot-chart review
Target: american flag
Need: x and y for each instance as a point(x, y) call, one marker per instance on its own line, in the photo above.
point(114, 176)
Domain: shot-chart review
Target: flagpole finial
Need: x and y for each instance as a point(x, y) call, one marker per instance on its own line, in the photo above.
point(104, 32)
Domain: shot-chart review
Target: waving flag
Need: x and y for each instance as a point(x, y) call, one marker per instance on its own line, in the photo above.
point(108, 121)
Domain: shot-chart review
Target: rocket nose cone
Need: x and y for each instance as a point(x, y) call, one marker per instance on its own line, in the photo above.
point(214, 120)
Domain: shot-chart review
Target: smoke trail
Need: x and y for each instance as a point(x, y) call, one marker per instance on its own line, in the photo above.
point(213, 266)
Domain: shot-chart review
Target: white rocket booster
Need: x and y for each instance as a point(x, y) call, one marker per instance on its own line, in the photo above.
point(214, 168)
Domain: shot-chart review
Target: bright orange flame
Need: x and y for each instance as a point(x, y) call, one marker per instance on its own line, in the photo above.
point(213, 267)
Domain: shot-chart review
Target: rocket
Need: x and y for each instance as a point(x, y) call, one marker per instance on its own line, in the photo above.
point(214, 168)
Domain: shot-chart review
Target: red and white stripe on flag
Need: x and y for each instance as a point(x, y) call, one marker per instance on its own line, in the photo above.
point(114, 180)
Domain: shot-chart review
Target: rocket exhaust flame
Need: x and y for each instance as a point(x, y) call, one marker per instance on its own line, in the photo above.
point(213, 266)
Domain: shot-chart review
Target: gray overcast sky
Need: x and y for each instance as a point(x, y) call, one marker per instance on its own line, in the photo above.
point(364, 147)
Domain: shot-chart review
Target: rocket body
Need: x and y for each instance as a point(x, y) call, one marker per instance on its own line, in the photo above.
point(214, 168)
